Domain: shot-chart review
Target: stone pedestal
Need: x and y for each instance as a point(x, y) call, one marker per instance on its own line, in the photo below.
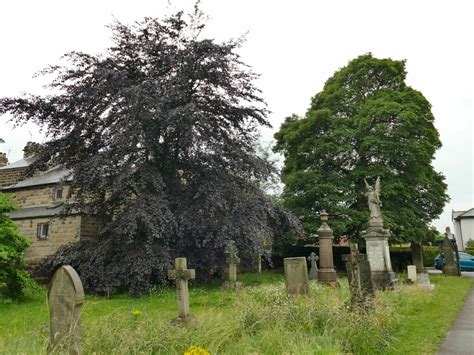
point(378, 254)
point(326, 272)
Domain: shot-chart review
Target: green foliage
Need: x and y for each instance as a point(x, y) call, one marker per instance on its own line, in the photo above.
point(13, 278)
point(470, 243)
point(365, 123)
point(260, 319)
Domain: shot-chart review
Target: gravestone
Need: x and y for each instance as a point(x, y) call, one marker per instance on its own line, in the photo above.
point(313, 271)
point(424, 281)
point(376, 240)
point(231, 278)
point(182, 274)
point(450, 266)
point(359, 276)
point(296, 276)
point(326, 272)
point(417, 256)
point(411, 270)
point(258, 263)
point(65, 300)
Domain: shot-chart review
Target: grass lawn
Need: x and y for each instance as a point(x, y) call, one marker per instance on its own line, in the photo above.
point(258, 320)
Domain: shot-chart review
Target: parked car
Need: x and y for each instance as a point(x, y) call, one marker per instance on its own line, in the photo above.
point(466, 261)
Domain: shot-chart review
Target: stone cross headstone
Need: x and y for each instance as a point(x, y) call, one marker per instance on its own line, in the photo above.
point(359, 276)
point(450, 266)
point(313, 271)
point(65, 300)
point(231, 280)
point(411, 270)
point(296, 276)
point(182, 274)
point(326, 272)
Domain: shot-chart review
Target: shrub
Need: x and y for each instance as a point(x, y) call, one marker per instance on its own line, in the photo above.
point(470, 243)
point(14, 280)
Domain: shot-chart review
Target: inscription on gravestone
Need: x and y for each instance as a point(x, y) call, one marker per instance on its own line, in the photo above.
point(296, 276)
point(65, 299)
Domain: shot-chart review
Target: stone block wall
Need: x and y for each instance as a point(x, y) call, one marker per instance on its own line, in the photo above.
point(11, 176)
point(61, 232)
point(37, 195)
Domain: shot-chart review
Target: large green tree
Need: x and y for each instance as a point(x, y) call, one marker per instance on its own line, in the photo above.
point(159, 133)
point(366, 122)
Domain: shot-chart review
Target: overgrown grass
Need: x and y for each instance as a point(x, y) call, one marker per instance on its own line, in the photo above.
point(261, 319)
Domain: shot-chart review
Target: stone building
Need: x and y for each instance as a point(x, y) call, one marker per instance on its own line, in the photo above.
point(41, 199)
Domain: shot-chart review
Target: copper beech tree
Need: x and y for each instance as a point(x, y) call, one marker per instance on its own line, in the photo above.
point(159, 133)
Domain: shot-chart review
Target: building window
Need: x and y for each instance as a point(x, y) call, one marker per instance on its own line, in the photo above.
point(58, 193)
point(42, 230)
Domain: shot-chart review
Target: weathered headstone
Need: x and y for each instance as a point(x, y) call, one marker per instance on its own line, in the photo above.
point(296, 276)
point(65, 299)
point(450, 266)
point(326, 272)
point(313, 271)
point(359, 276)
point(424, 281)
point(411, 270)
point(231, 279)
point(376, 239)
point(258, 263)
point(417, 256)
point(182, 274)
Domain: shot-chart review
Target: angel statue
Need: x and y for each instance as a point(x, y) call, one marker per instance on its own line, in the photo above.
point(373, 197)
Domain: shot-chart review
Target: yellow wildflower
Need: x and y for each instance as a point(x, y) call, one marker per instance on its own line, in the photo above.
point(196, 350)
point(136, 312)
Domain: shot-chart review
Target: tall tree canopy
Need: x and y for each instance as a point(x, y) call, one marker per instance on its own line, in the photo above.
point(159, 133)
point(365, 123)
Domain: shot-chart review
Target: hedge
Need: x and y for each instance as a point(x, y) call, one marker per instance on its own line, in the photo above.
point(400, 256)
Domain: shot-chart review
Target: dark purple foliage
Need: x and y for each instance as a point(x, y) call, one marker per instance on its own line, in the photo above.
point(160, 133)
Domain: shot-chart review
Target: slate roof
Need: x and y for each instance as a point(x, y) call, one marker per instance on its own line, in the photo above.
point(52, 176)
point(33, 211)
point(463, 214)
point(23, 163)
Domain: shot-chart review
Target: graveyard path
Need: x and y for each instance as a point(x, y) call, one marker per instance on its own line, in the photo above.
point(460, 339)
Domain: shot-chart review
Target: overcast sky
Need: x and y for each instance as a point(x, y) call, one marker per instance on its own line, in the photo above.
point(295, 46)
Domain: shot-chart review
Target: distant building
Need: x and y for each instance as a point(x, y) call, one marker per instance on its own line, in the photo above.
point(41, 198)
point(463, 226)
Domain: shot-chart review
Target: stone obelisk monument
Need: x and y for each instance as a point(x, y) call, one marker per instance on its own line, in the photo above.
point(376, 239)
point(326, 272)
